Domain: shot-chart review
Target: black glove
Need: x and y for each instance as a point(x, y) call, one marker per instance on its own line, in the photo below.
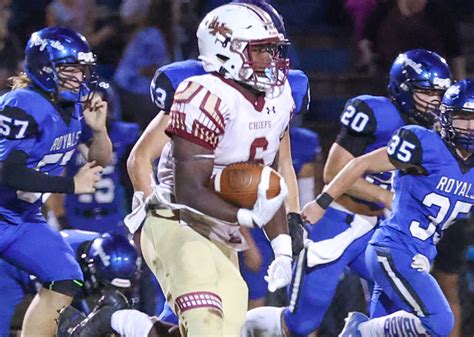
point(297, 232)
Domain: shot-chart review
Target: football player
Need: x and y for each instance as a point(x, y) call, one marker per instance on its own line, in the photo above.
point(107, 260)
point(163, 86)
point(417, 81)
point(42, 122)
point(237, 112)
point(104, 210)
point(151, 143)
point(433, 188)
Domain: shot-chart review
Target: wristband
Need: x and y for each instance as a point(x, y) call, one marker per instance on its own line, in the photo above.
point(281, 245)
point(324, 200)
point(245, 217)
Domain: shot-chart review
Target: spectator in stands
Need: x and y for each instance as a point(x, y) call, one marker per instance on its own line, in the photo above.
point(10, 50)
point(27, 16)
point(398, 25)
point(150, 47)
point(108, 38)
point(75, 14)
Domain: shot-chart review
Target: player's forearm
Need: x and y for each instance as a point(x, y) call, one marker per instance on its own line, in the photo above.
point(140, 171)
point(376, 161)
point(204, 200)
point(100, 148)
point(15, 174)
point(364, 190)
point(284, 165)
point(292, 201)
point(144, 153)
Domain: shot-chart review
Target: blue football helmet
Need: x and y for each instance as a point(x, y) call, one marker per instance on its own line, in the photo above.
point(458, 104)
point(50, 48)
point(418, 71)
point(109, 260)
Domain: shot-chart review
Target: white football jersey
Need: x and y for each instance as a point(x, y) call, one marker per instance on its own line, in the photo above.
point(212, 112)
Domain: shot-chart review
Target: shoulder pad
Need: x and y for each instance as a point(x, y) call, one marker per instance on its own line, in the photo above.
point(358, 117)
point(300, 90)
point(167, 79)
point(405, 151)
point(16, 123)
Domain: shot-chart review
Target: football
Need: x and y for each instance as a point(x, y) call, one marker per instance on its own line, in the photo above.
point(238, 183)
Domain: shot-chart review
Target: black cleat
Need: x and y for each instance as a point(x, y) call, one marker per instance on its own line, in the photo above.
point(98, 322)
point(164, 329)
point(68, 318)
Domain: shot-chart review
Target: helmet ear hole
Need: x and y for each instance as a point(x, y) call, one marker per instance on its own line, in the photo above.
point(223, 58)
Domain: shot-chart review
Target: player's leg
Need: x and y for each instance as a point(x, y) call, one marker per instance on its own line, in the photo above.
point(232, 289)
point(183, 262)
point(39, 318)
point(312, 289)
point(421, 303)
point(42, 252)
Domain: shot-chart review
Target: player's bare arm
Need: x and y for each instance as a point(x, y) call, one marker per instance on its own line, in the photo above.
point(145, 151)
point(100, 147)
point(286, 169)
point(193, 170)
point(338, 158)
point(376, 161)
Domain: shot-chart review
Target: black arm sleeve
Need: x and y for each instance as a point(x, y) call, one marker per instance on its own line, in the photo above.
point(352, 142)
point(15, 174)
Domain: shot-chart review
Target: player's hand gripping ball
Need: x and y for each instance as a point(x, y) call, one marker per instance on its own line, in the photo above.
point(238, 183)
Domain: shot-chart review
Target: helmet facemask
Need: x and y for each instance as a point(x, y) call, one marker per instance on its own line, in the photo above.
point(458, 127)
point(265, 66)
point(75, 81)
point(426, 102)
point(240, 42)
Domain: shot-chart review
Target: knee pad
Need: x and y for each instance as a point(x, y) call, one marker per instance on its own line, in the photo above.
point(200, 314)
point(66, 287)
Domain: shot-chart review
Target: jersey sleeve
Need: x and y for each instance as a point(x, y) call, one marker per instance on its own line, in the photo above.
point(162, 91)
point(197, 115)
point(300, 90)
point(405, 151)
point(19, 130)
point(358, 127)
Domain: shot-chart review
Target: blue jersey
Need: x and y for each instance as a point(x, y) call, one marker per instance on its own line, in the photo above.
point(432, 189)
point(105, 209)
point(367, 124)
point(305, 146)
point(167, 79)
point(32, 124)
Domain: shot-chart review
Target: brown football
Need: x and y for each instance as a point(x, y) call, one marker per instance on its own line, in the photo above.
point(238, 183)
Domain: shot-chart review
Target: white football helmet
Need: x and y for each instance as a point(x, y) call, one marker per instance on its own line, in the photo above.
point(228, 33)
